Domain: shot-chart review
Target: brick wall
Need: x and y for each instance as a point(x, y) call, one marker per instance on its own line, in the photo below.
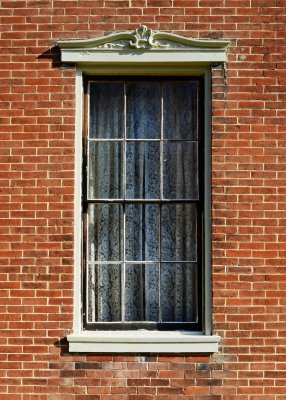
point(36, 217)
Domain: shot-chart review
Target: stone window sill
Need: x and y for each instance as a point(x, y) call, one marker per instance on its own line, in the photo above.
point(142, 342)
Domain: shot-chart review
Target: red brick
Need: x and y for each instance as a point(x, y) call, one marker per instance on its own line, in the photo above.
point(248, 183)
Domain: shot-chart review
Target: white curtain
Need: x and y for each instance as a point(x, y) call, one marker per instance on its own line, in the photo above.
point(156, 162)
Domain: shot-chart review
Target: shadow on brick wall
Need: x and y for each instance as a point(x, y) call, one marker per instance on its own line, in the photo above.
point(54, 54)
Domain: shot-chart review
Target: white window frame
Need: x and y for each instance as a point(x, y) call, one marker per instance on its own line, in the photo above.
point(148, 53)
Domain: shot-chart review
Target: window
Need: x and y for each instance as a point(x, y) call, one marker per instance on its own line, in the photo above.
point(142, 279)
point(143, 204)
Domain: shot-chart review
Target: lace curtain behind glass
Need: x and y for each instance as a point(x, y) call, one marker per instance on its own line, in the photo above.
point(143, 193)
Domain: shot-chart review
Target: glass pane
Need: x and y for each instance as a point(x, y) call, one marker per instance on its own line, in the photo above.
point(142, 292)
point(142, 232)
point(142, 170)
point(143, 104)
point(105, 170)
point(179, 232)
point(92, 293)
point(180, 110)
point(106, 110)
point(104, 293)
point(180, 170)
point(179, 292)
point(104, 238)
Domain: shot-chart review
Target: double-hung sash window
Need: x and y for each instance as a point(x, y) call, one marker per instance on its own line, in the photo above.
point(143, 258)
point(143, 204)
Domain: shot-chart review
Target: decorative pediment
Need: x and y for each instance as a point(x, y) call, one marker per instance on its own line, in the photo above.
point(141, 42)
point(142, 39)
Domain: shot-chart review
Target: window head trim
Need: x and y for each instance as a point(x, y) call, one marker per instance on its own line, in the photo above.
point(143, 46)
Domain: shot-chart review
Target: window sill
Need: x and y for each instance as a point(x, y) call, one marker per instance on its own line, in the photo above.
point(142, 342)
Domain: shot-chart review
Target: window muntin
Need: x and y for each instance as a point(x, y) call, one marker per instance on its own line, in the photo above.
point(143, 204)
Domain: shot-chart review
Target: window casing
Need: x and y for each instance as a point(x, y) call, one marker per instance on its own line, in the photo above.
point(143, 203)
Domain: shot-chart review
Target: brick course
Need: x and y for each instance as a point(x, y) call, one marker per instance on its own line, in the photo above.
point(37, 109)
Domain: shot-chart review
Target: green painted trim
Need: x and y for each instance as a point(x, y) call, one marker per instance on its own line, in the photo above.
point(142, 46)
point(77, 314)
point(142, 342)
point(207, 206)
point(180, 71)
point(143, 38)
point(149, 69)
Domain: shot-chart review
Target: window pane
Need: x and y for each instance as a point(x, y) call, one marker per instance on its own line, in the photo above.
point(179, 292)
point(142, 232)
point(106, 118)
point(179, 232)
point(142, 170)
point(143, 118)
point(142, 292)
point(180, 110)
point(105, 170)
point(104, 238)
point(180, 174)
point(104, 293)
